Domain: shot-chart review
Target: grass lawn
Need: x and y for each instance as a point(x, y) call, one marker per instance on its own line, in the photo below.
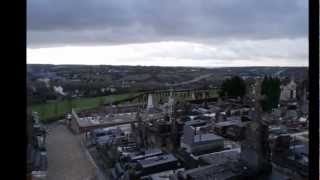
point(55, 109)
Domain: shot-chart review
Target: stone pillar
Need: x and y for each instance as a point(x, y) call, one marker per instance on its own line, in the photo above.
point(150, 102)
point(255, 148)
point(203, 95)
point(193, 96)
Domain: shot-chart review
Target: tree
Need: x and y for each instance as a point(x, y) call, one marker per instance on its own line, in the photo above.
point(233, 87)
point(270, 87)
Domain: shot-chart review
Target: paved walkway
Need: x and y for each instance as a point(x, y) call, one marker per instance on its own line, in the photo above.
point(67, 159)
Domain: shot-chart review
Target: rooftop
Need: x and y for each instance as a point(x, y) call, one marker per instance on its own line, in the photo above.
point(121, 118)
point(198, 122)
point(157, 160)
point(229, 123)
point(164, 175)
point(222, 157)
point(146, 154)
point(205, 138)
point(217, 172)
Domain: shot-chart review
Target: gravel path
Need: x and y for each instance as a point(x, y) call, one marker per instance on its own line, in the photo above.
point(67, 159)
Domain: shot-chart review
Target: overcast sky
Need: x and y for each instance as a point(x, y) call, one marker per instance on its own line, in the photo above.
point(168, 33)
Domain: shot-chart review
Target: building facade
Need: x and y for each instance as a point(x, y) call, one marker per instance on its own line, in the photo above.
point(288, 91)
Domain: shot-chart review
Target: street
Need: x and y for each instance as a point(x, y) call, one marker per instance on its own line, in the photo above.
point(67, 159)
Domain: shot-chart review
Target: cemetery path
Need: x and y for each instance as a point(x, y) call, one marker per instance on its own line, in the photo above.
point(67, 159)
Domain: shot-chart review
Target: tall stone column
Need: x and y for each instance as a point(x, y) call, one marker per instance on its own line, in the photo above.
point(203, 95)
point(193, 95)
point(150, 102)
point(255, 150)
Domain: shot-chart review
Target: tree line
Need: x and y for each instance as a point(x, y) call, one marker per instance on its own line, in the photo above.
point(270, 88)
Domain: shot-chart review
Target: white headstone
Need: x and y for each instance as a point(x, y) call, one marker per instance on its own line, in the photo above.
point(150, 102)
point(193, 96)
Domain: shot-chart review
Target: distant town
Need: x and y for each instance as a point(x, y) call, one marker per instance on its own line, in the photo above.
point(174, 123)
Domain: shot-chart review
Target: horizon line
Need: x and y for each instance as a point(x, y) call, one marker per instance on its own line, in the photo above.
point(306, 66)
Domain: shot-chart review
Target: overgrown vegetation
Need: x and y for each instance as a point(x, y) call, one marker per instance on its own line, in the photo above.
point(270, 87)
point(233, 87)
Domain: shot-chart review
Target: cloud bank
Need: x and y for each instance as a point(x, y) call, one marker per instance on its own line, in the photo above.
point(183, 30)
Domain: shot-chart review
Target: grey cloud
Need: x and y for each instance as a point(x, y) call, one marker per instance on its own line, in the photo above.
point(250, 50)
point(83, 22)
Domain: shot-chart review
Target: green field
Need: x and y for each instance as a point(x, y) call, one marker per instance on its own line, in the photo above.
point(56, 109)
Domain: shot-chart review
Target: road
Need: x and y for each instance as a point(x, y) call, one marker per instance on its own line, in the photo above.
point(193, 80)
point(67, 159)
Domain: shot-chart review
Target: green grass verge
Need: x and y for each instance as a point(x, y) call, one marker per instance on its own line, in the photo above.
point(56, 109)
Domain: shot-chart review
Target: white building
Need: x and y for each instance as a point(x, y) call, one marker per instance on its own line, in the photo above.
point(288, 91)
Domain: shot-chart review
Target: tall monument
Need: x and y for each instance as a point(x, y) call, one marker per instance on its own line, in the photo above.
point(140, 131)
point(255, 151)
point(173, 121)
point(150, 102)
